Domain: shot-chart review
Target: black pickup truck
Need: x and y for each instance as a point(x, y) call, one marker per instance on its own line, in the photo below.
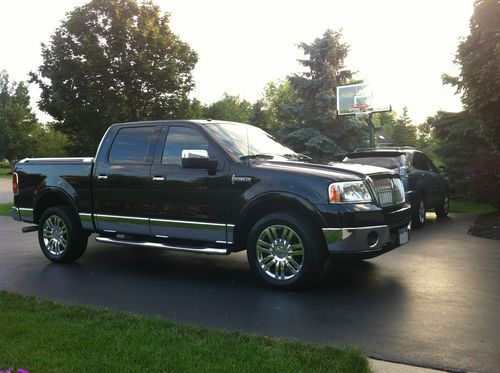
point(212, 187)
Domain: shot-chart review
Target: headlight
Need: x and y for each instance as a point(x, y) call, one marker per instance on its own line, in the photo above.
point(349, 192)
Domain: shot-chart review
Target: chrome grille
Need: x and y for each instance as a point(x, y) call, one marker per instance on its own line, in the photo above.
point(389, 191)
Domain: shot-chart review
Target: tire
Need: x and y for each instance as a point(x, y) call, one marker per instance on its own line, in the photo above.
point(60, 235)
point(286, 252)
point(418, 213)
point(443, 209)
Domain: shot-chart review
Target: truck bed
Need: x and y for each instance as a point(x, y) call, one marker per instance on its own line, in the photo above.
point(37, 176)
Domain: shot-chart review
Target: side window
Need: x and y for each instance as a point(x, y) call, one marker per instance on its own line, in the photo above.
point(430, 165)
point(179, 139)
point(418, 162)
point(131, 145)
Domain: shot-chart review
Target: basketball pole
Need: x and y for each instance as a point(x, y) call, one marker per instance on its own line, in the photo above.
point(372, 130)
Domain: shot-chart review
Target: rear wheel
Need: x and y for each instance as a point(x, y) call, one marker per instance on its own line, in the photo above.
point(285, 251)
point(418, 213)
point(443, 209)
point(60, 235)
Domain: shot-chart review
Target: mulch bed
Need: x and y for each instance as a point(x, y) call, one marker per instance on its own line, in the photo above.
point(487, 226)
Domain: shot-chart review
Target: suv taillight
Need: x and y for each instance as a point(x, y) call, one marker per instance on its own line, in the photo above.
point(15, 183)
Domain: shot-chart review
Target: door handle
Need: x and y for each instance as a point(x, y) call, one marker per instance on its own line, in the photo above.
point(158, 178)
point(102, 177)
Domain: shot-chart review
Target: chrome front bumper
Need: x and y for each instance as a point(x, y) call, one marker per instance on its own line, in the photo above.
point(362, 239)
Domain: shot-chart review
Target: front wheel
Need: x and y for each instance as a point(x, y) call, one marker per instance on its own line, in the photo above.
point(60, 235)
point(286, 252)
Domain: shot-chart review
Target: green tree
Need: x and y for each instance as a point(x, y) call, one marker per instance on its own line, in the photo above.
point(112, 61)
point(459, 146)
point(316, 89)
point(404, 133)
point(48, 142)
point(16, 120)
point(231, 108)
point(280, 102)
point(478, 57)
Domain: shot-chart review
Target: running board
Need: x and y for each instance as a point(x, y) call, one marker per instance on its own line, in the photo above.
point(205, 250)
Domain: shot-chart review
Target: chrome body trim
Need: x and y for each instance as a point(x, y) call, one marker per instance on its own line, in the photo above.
point(205, 250)
point(183, 229)
point(14, 211)
point(26, 214)
point(86, 220)
point(123, 224)
point(63, 159)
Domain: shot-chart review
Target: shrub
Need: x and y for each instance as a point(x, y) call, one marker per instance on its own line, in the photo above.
point(485, 179)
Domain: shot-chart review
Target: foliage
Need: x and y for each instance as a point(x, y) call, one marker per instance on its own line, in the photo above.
point(404, 133)
point(311, 142)
point(278, 105)
point(485, 179)
point(458, 145)
point(44, 336)
point(478, 57)
point(16, 120)
point(112, 61)
point(48, 142)
point(231, 108)
point(316, 90)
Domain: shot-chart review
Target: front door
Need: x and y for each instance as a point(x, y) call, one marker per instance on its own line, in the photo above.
point(122, 181)
point(188, 204)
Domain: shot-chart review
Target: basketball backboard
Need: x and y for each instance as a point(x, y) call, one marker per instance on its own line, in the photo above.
point(358, 99)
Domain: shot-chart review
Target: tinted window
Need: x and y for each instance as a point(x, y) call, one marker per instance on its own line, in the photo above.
point(386, 162)
point(419, 162)
point(179, 139)
point(131, 145)
point(430, 165)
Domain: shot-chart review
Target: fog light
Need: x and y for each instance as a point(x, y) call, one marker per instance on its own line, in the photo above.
point(372, 238)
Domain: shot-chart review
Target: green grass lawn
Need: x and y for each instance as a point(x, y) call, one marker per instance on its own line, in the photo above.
point(461, 205)
point(43, 336)
point(5, 211)
point(5, 173)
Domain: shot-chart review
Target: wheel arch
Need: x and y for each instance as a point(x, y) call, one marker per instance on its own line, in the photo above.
point(268, 203)
point(51, 197)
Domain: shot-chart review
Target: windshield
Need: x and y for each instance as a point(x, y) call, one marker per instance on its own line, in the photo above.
point(385, 162)
point(245, 141)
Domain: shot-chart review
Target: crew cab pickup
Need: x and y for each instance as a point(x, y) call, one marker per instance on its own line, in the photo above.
point(212, 187)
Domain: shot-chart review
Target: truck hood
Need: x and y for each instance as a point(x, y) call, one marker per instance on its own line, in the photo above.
point(363, 168)
point(338, 172)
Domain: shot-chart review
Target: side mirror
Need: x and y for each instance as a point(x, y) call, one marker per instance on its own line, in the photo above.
point(197, 159)
point(442, 168)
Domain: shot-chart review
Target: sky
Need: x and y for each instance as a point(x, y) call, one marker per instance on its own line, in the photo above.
point(402, 47)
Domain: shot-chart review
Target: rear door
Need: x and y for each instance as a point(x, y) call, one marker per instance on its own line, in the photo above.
point(421, 178)
point(188, 204)
point(122, 181)
point(438, 184)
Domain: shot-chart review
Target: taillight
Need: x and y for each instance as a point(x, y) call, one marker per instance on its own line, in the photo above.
point(15, 183)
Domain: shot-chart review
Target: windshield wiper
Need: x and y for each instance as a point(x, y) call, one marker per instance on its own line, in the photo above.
point(263, 155)
point(296, 156)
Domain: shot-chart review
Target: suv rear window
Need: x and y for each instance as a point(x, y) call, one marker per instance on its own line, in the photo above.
point(390, 162)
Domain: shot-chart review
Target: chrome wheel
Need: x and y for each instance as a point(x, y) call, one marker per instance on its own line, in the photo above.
point(421, 212)
point(55, 235)
point(280, 252)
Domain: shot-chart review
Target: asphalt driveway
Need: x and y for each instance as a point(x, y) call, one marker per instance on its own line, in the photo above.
point(434, 302)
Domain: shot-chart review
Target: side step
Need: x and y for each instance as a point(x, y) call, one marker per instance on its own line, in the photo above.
point(157, 245)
